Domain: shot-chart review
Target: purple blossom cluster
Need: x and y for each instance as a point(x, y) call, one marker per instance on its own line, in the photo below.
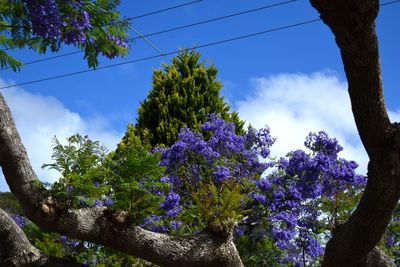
point(67, 21)
point(171, 204)
point(69, 242)
point(76, 25)
point(45, 18)
point(19, 220)
point(288, 198)
point(49, 22)
point(219, 149)
point(214, 155)
point(292, 193)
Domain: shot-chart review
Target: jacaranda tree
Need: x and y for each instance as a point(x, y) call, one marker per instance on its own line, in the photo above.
point(279, 212)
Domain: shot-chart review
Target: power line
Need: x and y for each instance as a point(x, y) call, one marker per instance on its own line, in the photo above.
point(147, 40)
point(171, 29)
point(165, 54)
point(176, 51)
point(163, 10)
point(389, 3)
point(132, 18)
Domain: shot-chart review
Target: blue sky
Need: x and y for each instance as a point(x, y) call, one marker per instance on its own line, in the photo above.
point(291, 79)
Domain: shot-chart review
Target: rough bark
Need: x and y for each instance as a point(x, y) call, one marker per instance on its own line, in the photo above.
point(353, 25)
point(99, 225)
point(15, 249)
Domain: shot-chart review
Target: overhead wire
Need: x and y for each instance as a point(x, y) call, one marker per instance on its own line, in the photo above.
point(165, 54)
point(163, 10)
point(147, 40)
point(176, 51)
point(170, 29)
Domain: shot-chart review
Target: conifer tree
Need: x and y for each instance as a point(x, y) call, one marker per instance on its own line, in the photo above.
point(182, 95)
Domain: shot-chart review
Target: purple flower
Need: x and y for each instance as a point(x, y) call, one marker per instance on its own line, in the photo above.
point(175, 224)
point(171, 200)
point(154, 223)
point(19, 220)
point(313, 248)
point(289, 219)
point(282, 237)
point(264, 185)
point(64, 239)
point(260, 198)
point(171, 204)
point(45, 17)
point(320, 142)
point(239, 230)
point(69, 189)
point(390, 240)
point(108, 201)
point(173, 212)
point(97, 203)
point(220, 174)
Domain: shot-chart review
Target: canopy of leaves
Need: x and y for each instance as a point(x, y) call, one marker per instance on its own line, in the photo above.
point(41, 25)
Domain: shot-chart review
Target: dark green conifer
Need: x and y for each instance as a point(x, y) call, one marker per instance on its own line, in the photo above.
point(182, 95)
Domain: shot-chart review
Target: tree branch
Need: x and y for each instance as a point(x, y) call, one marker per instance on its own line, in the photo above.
point(99, 225)
point(353, 24)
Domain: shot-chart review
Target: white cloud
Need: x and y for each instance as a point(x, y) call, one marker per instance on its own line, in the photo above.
point(293, 105)
point(40, 118)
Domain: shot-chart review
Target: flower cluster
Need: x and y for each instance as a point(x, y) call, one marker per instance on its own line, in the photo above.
point(216, 155)
point(68, 21)
point(286, 203)
point(49, 22)
point(75, 24)
point(19, 220)
point(45, 17)
point(294, 193)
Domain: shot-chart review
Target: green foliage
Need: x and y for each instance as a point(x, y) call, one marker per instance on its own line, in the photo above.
point(339, 209)
point(182, 94)
point(9, 203)
point(390, 242)
point(84, 175)
point(128, 175)
point(255, 251)
point(220, 208)
point(136, 176)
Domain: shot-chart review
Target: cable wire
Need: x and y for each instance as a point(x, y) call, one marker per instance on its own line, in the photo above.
point(147, 40)
point(163, 10)
point(165, 54)
point(170, 30)
point(176, 51)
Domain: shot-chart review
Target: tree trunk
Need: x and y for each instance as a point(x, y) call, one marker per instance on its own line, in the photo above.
point(353, 24)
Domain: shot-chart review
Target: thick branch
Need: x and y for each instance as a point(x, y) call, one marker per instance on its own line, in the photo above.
point(97, 224)
point(353, 24)
point(15, 249)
